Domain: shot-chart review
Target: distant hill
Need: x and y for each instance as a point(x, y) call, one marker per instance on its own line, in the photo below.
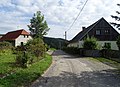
point(57, 43)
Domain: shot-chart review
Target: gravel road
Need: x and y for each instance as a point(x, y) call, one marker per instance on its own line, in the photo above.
point(70, 71)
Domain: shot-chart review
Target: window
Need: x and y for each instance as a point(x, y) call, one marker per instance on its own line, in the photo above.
point(97, 32)
point(24, 36)
point(27, 36)
point(107, 32)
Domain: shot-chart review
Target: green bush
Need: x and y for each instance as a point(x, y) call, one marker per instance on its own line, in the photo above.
point(37, 47)
point(5, 45)
point(107, 46)
point(90, 43)
point(24, 58)
point(35, 41)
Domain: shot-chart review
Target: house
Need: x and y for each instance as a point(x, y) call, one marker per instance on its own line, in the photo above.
point(101, 30)
point(1, 35)
point(17, 37)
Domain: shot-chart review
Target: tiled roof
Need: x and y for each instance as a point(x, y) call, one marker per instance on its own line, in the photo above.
point(14, 34)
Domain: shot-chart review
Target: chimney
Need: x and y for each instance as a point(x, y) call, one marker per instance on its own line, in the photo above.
point(83, 28)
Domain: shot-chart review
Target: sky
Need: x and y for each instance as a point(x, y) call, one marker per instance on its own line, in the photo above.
point(59, 14)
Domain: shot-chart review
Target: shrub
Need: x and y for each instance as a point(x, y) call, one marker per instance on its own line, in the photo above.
point(37, 47)
point(24, 58)
point(107, 46)
point(90, 43)
point(5, 45)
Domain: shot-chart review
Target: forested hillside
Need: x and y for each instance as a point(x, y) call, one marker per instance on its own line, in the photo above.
point(57, 43)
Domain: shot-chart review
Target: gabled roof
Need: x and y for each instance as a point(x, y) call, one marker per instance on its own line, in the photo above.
point(14, 34)
point(84, 32)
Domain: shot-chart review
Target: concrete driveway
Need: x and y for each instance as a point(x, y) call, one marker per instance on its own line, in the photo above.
point(70, 71)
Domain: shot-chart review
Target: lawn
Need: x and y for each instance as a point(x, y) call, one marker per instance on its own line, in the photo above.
point(6, 61)
point(21, 76)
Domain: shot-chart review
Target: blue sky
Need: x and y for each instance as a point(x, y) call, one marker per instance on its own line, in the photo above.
point(16, 14)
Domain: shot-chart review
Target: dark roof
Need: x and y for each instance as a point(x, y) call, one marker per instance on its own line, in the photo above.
point(14, 34)
point(84, 32)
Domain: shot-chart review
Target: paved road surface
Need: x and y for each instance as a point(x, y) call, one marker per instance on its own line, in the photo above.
point(70, 71)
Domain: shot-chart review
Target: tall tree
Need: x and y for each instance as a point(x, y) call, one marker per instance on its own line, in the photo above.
point(38, 26)
point(117, 18)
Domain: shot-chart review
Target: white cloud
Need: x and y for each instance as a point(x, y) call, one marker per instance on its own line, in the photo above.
point(58, 13)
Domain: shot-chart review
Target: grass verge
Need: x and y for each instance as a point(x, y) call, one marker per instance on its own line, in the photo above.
point(108, 62)
point(7, 58)
point(53, 49)
point(24, 77)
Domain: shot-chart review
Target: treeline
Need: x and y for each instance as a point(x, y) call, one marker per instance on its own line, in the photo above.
point(57, 43)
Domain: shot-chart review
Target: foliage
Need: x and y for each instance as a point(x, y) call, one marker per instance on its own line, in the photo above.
point(32, 52)
point(117, 18)
point(24, 77)
point(35, 41)
point(36, 47)
point(107, 46)
point(5, 45)
point(90, 43)
point(24, 58)
point(6, 60)
point(38, 26)
point(118, 42)
point(56, 43)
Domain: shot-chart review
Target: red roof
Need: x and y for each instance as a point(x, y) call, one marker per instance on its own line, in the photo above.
point(14, 34)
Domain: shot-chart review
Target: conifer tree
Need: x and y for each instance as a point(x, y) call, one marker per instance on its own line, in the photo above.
point(38, 26)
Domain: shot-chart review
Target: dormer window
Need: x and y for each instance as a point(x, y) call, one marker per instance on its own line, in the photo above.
point(97, 32)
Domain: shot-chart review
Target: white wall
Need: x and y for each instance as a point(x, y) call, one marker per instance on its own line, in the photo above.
point(100, 44)
point(76, 44)
point(23, 39)
point(113, 44)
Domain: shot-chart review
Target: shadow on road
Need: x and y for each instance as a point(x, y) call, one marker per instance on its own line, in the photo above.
point(58, 53)
point(104, 78)
point(64, 55)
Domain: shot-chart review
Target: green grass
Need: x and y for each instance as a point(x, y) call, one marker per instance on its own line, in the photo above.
point(53, 49)
point(6, 60)
point(23, 76)
point(108, 62)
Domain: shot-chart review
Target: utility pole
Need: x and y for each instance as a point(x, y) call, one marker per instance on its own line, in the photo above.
point(65, 35)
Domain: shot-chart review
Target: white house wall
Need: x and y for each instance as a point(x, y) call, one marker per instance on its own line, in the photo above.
point(80, 44)
point(23, 39)
point(113, 44)
point(76, 44)
point(100, 44)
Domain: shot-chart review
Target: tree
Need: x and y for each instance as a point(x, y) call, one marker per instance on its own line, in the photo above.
point(38, 26)
point(90, 43)
point(118, 42)
point(117, 18)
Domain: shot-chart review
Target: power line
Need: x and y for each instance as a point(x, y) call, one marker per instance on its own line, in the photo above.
point(77, 16)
